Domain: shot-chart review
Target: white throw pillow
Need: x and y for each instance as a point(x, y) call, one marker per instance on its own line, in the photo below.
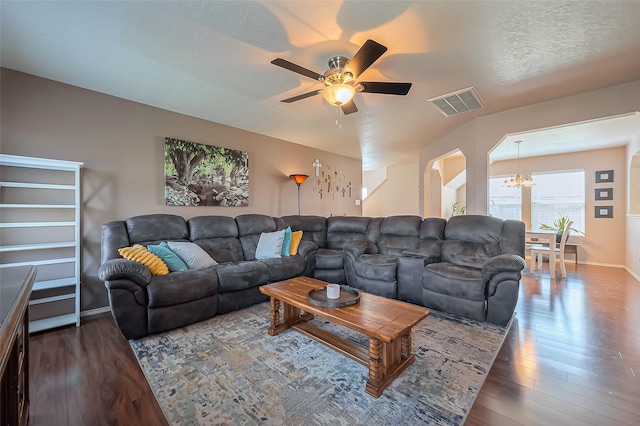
point(270, 245)
point(192, 254)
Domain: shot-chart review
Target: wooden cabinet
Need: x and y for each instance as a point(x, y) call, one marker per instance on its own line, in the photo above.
point(40, 225)
point(15, 289)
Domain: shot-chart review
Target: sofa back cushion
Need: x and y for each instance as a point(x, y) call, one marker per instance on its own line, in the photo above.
point(513, 238)
point(250, 226)
point(218, 236)
point(470, 240)
point(341, 229)
point(155, 228)
point(399, 233)
point(432, 237)
point(314, 228)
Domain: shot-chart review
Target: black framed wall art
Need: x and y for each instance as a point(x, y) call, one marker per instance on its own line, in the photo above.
point(603, 176)
point(604, 212)
point(604, 194)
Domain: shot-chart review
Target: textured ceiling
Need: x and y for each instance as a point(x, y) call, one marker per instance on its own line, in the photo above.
point(211, 59)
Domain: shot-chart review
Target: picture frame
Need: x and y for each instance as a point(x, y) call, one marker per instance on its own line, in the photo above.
point(197, 174)
point(604, 194)
point(604, 212)
point(604, 176)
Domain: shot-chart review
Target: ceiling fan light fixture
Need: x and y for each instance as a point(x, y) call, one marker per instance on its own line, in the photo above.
point(338, 94)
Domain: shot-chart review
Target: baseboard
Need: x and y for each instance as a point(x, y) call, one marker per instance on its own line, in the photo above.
point(633, 274)
point(609, 265)
point(96, 311)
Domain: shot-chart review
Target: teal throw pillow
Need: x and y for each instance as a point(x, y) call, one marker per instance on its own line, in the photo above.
point(286, 242)
point(173, 261)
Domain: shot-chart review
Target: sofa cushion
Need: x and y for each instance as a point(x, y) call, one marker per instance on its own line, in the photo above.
point(204, 227)
point(329, 259)
point(469, 254)
point(218, 236)
point(376, 266)
point(286, 242)
point(192, 254)
point(270, 245)
point(404, 226)
point(296, 237)
point(154, 228)
point(284, 268)
point(173, 261)
point(237, 276)
point(471, 240)
point(314, 228)
point(222, 249)
point(182, 287)
point(250, 227)
point(255, 224)
point(431, 237)
point(454, 280)
point(140, 254)
point(398, 233)
point(341, 229)
point(395, 245)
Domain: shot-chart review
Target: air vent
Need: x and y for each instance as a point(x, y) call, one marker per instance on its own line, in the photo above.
point(455, 103)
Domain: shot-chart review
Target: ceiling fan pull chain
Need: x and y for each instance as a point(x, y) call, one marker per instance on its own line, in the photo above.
point(338, 117)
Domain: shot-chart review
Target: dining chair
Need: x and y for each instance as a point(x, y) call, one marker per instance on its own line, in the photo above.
point(537, 251)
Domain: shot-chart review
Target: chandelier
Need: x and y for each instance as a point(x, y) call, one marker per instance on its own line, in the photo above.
point(519, 180)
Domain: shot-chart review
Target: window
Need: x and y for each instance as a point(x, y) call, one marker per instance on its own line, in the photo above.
point(558, 193)
point(505, 203)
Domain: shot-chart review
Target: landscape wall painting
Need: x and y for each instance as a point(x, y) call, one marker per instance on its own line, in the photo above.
point(204, 175)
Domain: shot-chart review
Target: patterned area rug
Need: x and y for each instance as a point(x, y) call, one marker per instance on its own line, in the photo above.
point(227, 370)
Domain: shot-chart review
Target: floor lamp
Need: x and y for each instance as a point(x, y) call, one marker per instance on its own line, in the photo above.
point(298, 179)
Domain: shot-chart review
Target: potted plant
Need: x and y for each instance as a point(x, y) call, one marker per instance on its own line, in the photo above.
point(456, 209)
point(558, 225)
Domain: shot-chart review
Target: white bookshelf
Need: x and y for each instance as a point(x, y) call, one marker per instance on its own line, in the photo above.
point(40, 225)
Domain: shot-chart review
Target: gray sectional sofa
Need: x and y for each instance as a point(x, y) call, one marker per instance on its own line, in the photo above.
point(469, 265)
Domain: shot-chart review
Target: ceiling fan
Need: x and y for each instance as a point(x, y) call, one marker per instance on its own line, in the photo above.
point(340, 79)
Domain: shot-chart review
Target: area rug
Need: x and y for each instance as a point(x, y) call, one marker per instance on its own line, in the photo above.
point(228, 371)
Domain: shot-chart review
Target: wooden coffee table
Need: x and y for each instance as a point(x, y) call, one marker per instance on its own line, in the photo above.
point(386, 322)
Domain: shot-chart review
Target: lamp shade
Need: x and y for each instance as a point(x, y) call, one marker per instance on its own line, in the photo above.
point(338, 94)
point(298, 179)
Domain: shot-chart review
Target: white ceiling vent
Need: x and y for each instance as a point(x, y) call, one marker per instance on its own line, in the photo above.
point(455, 103)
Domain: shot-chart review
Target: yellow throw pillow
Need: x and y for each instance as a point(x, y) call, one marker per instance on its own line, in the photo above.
point(140, 254)
point(296, 237)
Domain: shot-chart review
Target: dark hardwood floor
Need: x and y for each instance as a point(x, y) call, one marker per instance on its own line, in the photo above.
point(572, 357)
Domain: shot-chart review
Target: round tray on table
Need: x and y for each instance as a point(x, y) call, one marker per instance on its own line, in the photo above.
point(348, 297)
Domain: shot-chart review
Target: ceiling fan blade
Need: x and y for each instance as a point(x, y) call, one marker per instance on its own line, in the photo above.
point(297, 68)
point(303, 96)
point(367, 55)
point(385, 88)
point(349, 107)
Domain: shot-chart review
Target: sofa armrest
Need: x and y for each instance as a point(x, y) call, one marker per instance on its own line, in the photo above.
point(502, 263)
point(306, 247)
point(123, 269)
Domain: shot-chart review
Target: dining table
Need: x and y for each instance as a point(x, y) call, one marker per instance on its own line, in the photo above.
point(550, 236)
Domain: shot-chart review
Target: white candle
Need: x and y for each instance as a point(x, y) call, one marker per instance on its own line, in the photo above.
point(333, 291)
